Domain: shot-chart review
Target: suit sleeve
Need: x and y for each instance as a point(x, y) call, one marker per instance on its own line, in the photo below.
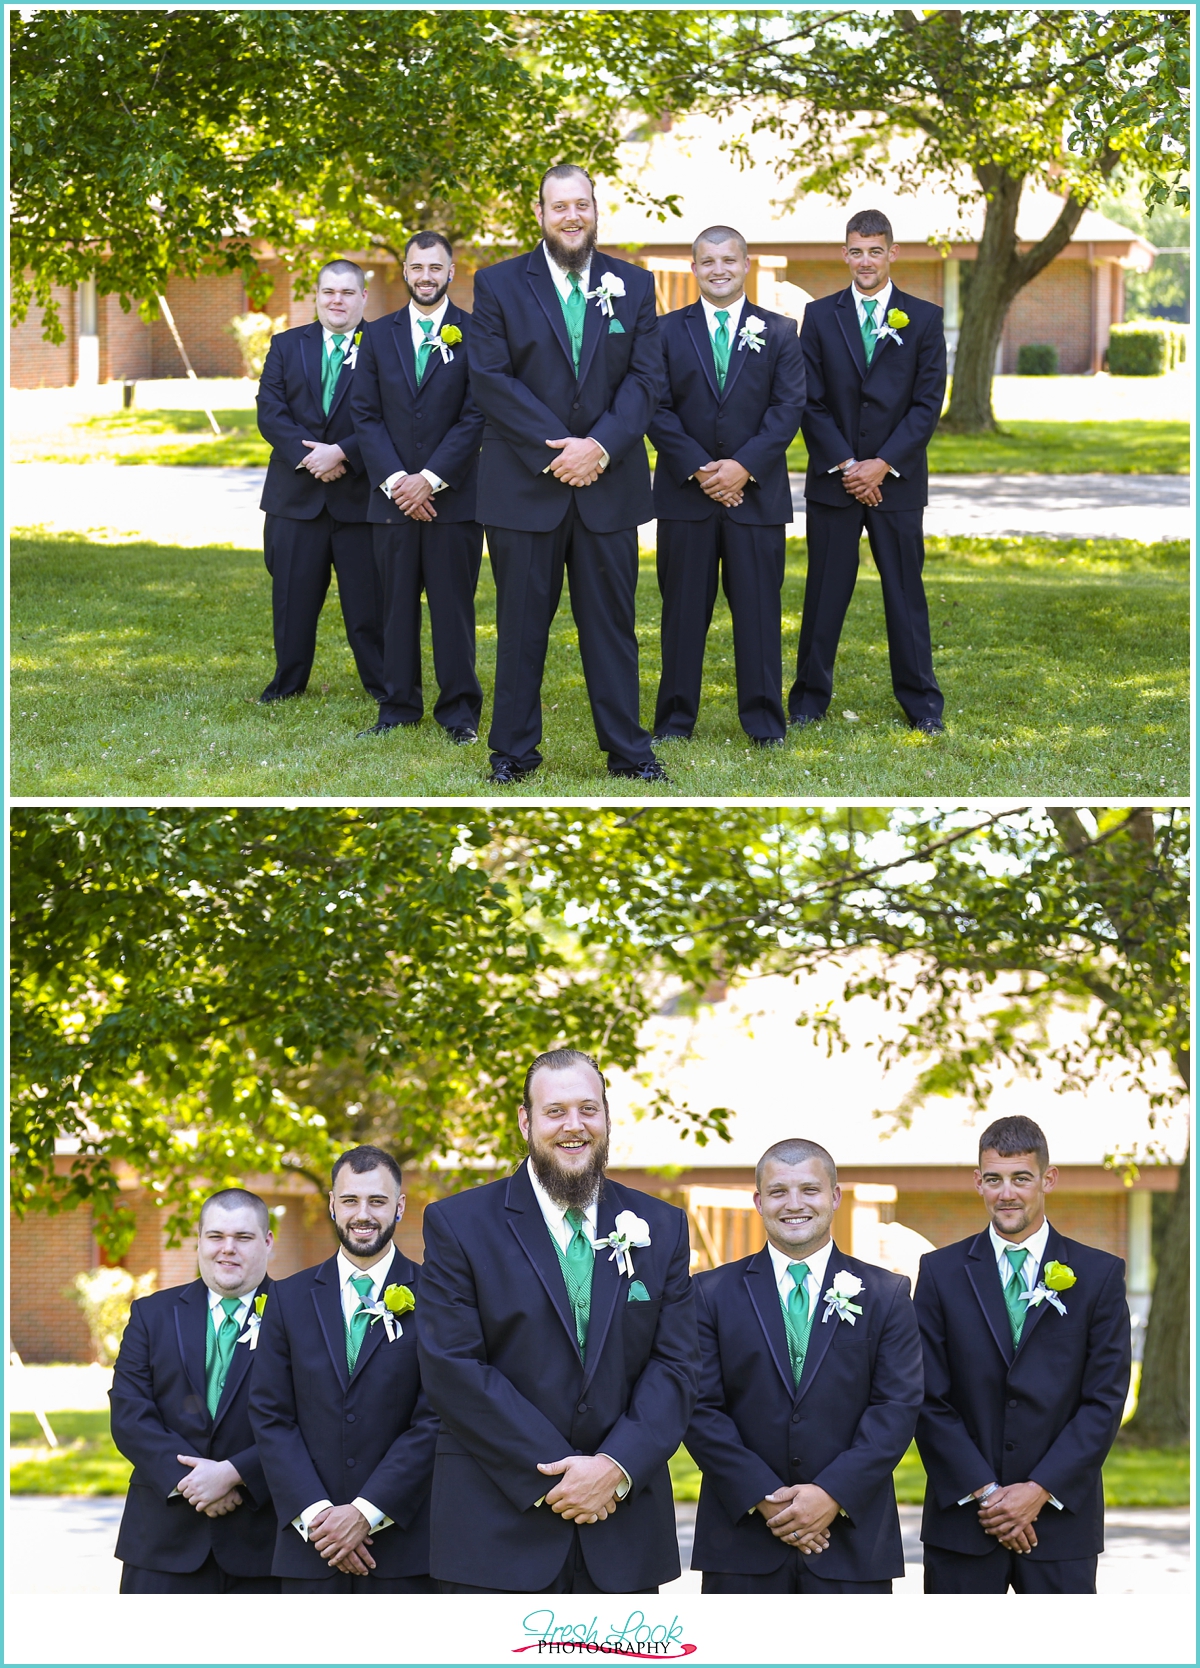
point(678, 453)
point(660, 1405)
point(889, 1419)
point(399, 1483)
point(138, 1429)
point(781, 420)
point(909, 440)
point(275, 421)
point(459, 446)
point(513, 410)
point(477, 1405)
point(379, 455)
point(827, 445)
point(290, 1473)
point(740, 1477)
point(951, 1457)
point(1074, 1459)
point(623, 426)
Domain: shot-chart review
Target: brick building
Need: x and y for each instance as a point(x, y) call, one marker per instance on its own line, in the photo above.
point(1072, 304)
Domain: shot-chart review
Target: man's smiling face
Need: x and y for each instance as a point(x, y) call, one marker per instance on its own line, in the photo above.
point(796, 1203)
point(566, 1127)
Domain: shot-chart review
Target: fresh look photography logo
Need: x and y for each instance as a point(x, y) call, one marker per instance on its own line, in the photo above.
point(551, 1635)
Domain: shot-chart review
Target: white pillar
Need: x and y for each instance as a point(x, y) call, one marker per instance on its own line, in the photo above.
point(1138, 1263)
point(87, 373)
point(864, 1218)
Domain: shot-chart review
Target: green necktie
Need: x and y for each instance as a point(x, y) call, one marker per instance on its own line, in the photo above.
point(577, 1262)
point(356, 1326)
point(219, 1352)
point(330, 371)
point(721, 348)
point(868, 329)
point(574, 309)
point(425, 349)
point(1017, 1310)
point(797, 1318)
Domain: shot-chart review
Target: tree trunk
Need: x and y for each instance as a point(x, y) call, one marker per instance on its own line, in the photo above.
point(1163, 1417)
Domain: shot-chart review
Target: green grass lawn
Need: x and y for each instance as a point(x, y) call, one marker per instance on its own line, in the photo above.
point(1116, 448)
point(136, 670)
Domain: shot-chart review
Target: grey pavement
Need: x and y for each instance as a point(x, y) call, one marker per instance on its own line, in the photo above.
point(199, 506)
point(63, 1544)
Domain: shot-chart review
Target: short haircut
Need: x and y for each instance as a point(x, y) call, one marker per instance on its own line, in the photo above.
point(869, 223)
point(427, 240)
point(1008, 1137)
point(561, 1059)
point(362, 1159)
point(231, 1198)
point(344, 266)
point(563, 171)
point(718, 234)
point(795, 1151)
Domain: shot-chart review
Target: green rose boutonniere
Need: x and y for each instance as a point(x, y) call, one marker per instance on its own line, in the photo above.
point(398, 1300)
point(897, 318)
point(451, 335)
point(1058, 1277)
point(260, 1303)
point(1055, 1278)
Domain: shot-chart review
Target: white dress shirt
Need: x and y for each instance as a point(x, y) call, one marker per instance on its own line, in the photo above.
point(350, 1301)
point(881, 307)
point(418, 337)
point(217, 1320)
point(561, 278)
point(328, 346)
point(814, 1280)
point(734, 310)
point(562, 1234)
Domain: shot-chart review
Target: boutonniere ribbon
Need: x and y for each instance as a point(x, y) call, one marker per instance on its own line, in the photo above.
point(396, 1301)
point(837, 1298)
point(895, 322)
point(1056, 1277)
point(628, 1230)
point(751, 334)
point(254, 1321)
point(351, 359)
point(608, 287)
point(449, 336)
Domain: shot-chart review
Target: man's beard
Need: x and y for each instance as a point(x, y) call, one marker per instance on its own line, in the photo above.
point(421, 300)
point(572, 1189)
point(382, 1238)
point(571, 260)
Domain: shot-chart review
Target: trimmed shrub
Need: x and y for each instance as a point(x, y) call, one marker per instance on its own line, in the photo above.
point(1037, 359)
point(1141, 349)
point(105, 1295)
point(252, 332)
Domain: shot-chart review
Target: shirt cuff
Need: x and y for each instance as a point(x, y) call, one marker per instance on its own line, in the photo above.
point(1057, 1503)
point(301, 1524)
point(375, 1518)
point(386, 486)
point(435, 481)
point(622, 1489)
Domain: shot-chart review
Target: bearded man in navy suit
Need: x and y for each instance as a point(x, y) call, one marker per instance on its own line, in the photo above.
point(566, 368)
point(418, 430)
point(810, 1384)
point(558, 1344)
point(1027, 1360)
point(316, 491)
point(198, 1517)
point(730, 410)
point(875, 359)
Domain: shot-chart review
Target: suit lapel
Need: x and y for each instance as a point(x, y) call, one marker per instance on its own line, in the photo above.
point(191, 1329)
point(609, 1287)
point(760, 1285)
point(312, 350)
point(822, 1331)
point(697, 329)
point(435, 362)
point(847, 316)
point(403, 342)
point(595, 324)
point(376, 1331)
point(529, 1226)
point(886, 344)
point(239, 1365)
point(985, 1280)
point(327, 1301)
point(738, 354)
point(538, 274)
point(1051, 1254)
point(342, 386)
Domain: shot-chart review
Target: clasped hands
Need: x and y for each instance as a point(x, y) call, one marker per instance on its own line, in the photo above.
point(210, 1485)
point(722, 480)
point(1008, 1513)
point(579, 461)
point(588, 1490)
point(800, 1516)
point(862, 479)
point(414, 495)
point(325, 460)
point(341, 1534)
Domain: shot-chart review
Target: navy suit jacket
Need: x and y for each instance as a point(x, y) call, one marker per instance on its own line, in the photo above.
point(327, 1435)
point(158, 1411)
point(753, 419)
point(400, 426)
point(845, 1427)
point(501, 1365)
point(1047, 1412)
point(290, 412)
point(524, 382)
point(888, 409)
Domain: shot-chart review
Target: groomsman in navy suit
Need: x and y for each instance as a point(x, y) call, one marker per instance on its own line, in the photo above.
point(810, 1383)
point(566, 368)
point(418, 430)
point(345, 1433)
point(730, 410)
point(876, 365)
point(558, 1344)
point(316, 491)
point(198, 1516)
point(1027, 1360)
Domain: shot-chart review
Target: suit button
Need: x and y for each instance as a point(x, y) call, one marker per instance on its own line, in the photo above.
point(582, 1408)
point(349, 1464)
point(349, 1418)
point(574, 405)
point(1012, 1401)
point(1009, 1446)
point(795, 1418)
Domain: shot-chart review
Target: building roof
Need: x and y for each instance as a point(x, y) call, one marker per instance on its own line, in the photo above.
point(713, 190)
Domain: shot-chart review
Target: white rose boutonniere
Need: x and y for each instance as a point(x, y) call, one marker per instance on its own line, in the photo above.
point(751, 334)
point(628, 1230)
point(608, 287)
point(837, 1298)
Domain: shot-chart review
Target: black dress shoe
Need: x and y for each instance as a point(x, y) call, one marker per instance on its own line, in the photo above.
point(381, 729)
point(462, 735)
point(506, 772)
point(803, 719)
point(928, 726)
point(670, 735)
point(651, 771)
point(268, 697)
point(766, 741)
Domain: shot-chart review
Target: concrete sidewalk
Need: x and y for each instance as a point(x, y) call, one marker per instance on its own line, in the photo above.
point(195, 506)
point(59, 1544)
